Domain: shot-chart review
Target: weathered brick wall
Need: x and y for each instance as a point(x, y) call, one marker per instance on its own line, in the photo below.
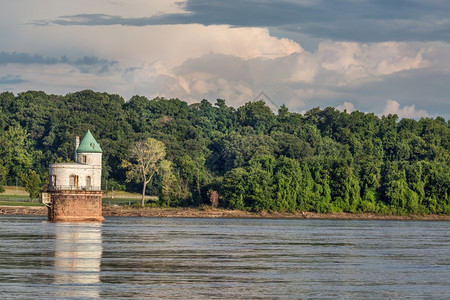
point(76, 206)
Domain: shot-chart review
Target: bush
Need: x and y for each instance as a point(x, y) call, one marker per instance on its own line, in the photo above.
point(368, 206)
point(114, 185)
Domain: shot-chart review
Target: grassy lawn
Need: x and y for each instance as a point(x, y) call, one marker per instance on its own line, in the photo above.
point(16, 203)
point(12, 190)
point(120, 201)
point(5, 197)
point(17, 196)
point(127, 199)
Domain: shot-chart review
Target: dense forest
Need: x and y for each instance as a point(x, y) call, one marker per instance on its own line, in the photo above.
point(252, 158)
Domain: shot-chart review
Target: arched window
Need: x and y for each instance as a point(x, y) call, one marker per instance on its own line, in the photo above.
point(73, 181)
point(88, 182)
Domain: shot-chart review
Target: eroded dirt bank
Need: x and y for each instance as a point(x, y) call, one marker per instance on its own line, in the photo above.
point(120, 211)
point(23, 210)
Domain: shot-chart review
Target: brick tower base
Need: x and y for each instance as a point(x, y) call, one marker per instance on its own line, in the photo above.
point(75, 206)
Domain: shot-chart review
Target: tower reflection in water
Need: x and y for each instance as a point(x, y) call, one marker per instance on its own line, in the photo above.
point(78, 252)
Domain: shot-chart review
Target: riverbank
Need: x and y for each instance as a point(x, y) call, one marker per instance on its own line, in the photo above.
point(123, 211)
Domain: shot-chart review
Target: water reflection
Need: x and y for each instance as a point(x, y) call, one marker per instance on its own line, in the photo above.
point(150, 258)
point(78, 253)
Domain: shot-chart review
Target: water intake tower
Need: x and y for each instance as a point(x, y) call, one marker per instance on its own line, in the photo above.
point(74, 191)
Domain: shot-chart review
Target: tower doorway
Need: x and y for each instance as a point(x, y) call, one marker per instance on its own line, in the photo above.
point(73, 181)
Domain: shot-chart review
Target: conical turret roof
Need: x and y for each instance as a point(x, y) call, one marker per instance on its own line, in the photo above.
point(89, 144)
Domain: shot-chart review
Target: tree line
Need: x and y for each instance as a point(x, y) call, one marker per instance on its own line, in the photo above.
point(247, 158)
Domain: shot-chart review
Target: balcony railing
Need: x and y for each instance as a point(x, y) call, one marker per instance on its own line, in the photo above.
point(73, 188)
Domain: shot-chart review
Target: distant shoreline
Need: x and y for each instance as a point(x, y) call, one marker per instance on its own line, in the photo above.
point(121, 211)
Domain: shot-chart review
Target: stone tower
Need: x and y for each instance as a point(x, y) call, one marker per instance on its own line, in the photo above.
point(75, 188)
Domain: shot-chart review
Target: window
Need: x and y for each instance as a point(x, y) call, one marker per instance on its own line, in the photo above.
point(53, 180)
point(83, 159)
point(88, 182)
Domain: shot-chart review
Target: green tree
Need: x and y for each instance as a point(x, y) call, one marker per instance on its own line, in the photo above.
point(257, 115)
point(32, 183)
point(2, 178)
point(225, 117)
point(14, 153)
point(146, 157)
point(396, 190)
point(288, 185)
point(169, 188)
point(236, 150)
point(436, 177)
point(320, 191)
point(235, 188)
point(193, 172)
point(260, 183)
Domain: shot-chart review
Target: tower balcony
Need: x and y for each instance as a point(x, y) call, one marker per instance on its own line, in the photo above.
point(73, 188)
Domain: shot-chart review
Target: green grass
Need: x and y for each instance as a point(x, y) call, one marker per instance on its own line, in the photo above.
point(16, 203)
point(12, 190)
point(17, 198)
point(126, 200)
point(120, 201)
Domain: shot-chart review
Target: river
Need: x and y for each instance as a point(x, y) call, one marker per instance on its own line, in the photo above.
point(223, 258)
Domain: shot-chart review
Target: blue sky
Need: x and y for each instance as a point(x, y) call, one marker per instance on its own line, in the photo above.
point(370, 55)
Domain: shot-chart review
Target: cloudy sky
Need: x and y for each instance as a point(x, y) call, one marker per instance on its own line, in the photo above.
point(378, 56)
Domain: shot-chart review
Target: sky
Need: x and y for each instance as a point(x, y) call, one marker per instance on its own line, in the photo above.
point(377, 56)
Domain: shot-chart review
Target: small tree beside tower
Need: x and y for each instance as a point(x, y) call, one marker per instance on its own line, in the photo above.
point(146, 157)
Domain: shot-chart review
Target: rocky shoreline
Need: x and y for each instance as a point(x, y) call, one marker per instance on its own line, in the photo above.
point(121, 211)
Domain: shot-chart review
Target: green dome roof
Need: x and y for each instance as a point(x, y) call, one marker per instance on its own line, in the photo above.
point(89, 144)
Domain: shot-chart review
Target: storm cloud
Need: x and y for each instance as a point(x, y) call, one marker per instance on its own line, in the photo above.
point(345, 20)
point(85, 64)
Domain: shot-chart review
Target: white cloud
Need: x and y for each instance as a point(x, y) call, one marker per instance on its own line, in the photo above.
point(171, 44)
point(393, 107)
point(346, 106)
point(353, 63)
point(299, 79)
point(291, 79)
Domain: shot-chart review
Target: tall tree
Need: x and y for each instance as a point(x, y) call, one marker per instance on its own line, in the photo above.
point(193, 173)
point(146, 157)
point(32, 183)
point(257, 115)
point(169, 182)
point(235, 188)
point(14, 153)
point(2, 177)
